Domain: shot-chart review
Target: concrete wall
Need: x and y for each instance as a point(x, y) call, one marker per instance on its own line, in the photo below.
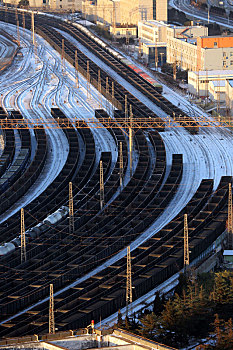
point(161, 10)
point(126, 12)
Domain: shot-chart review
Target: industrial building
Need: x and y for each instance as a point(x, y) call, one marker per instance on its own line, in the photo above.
point(60, 5)
point(211, 83)
point(161, 11)
point(69, 5)
point(190, 47)
point(176, 42)
point(120, 12)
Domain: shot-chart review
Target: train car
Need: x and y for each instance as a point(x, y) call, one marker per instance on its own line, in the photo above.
point(35, 231)
point(143, 74)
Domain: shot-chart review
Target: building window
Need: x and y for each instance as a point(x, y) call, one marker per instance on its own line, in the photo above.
point(224, 54)
point(215, 44)
point(224, 63)
point(231, 63)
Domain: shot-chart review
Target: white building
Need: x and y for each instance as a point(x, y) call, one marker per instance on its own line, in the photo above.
point(209, 83)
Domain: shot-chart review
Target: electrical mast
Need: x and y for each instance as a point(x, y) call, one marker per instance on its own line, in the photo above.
point(63, 55)
point(100, 89)
point(126, 108)
point(33, 29)
point(71, 209)
point(186, 243)
point(129, 295)
point(101, 186)
point(76, 68)
point(131, 140)
point(230, 224)
point(23, 240)
point(51, 312)
point(88, 80)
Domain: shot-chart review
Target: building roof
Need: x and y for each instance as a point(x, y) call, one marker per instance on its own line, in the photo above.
point(230, 81)
point(216, 36)
point(189, 40)
point(227, 252)
point(214, 73)
point(154, 23)
point(218, 83)
point(150, 44)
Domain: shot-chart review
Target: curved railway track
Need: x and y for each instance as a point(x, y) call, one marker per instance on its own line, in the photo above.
point(100, 234)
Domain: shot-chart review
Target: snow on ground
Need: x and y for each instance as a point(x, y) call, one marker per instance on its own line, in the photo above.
point(206, 155)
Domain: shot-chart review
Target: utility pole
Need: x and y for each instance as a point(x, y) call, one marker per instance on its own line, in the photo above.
point(23, 240)
point(129, 295)
point(107, 94)
point(76, 68)
point(218, 95)
point(6, 14)
point(139, 48)
point(174, 70)
point(18, 34)
point(229, 222)
point(126, 108)
point(113, 96)
point(71, 209)
point(186, 243)
point(23, 23)
point(161, 55)
point(114, 19)
point(198, 86)
point(33, 29)
point(207, 87)
point(16, 14)
point(156, 55)
point(131, 140)
point(100, 89)
point(121, 165)
point(63, 55)
point(51, 312)
point(127, 37)
point(101, 186)
point(88, 79)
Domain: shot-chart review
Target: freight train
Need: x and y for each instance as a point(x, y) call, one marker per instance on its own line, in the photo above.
point(120, 57)
point(34, 232)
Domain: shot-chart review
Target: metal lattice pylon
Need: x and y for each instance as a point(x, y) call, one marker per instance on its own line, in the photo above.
point(99, 88)
point(107, 95)
point(129, 294)
point(113, 96)
point(174, 69)
point(18, 33)
point(121, 165)
point(33, 29)
point(63, 56)
point(126, 107)
point(76, 68)
point(156, 55)
point(71, 209)
point(51, 312)
point(229, 223)
point(23, 240)
point(186, 242)
point(23, 22)
point(88, 79)
point(101, 185)
point(131, 141)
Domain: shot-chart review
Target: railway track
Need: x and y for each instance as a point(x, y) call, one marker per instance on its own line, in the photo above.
point(100, 234)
